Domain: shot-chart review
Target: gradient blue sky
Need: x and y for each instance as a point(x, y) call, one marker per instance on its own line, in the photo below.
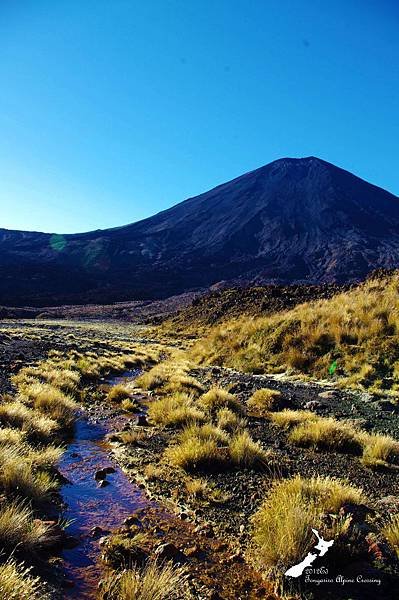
point(112, 110)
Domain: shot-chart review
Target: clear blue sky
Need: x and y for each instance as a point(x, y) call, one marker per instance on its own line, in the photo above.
point(112, 110)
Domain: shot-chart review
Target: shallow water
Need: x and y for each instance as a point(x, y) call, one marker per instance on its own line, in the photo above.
point(87, 504)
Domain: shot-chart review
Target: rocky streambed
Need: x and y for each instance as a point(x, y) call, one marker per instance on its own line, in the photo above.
point(104, 497)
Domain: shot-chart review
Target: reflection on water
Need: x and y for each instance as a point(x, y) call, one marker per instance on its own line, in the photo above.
point(88, 505)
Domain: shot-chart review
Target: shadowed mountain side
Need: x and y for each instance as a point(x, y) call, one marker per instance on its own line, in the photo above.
point(292, 221)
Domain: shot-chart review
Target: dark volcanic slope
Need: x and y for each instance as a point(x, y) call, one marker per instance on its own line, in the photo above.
point(294, 220)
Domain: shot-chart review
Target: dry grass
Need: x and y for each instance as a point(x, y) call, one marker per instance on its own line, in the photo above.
point(264, 400)
point(17, 583)
point(282, 527)
point(216, 398)
point(194, 454)
point(358, 329)
point(14, 414)
point(118, 393)
point(19, 529)
point(244, 452)
point(327, 434)
point(290, 418)
point(229, 421)
point(177, 410)
point(391, 532)
point(19, 479)
point(132, 437)
point(378, 450)
point(130, 405)
point(154, 582)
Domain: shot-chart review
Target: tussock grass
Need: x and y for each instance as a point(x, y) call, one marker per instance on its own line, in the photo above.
point(358, 329)
point(195, 453)
point(176, 410)
point(204, 432)
point(17, 583)
point(391, 532)
point(209, 447)
point(18, 528)
point(290, 418)
point(264, 400)
point(244, 452)
point(282, 526)
point(216, 398)
point(130, 405)
point(56, 405)
point(378, 450)
point(229, 421)
point(10, 436)
point(14, 414)
point(118, 393)
point(327, 434)
point(18, 478)
point(154, 582)
point(184, 383)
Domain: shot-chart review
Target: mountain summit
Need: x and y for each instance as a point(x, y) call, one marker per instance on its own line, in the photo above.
point(293, 220)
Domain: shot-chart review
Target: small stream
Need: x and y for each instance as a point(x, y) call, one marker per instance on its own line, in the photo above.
point(87, 504)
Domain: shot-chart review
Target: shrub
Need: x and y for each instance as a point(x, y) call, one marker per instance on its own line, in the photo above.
point(282, 527)
point(217, 398)
point(264, 400)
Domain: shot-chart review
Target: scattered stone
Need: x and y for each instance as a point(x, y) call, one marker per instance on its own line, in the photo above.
point(142, 421)
point(110, 470)
point(168, 551)
point(100, 474)
point(313, 404)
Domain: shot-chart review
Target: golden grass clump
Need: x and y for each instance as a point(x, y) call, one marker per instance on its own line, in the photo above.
point(153, 582)
point(391, 532)
point(357, 330)
point(282, 527)
point(244, 452)
point(264, 400)
point(194, 453)
point(17, 583)
point(378, 450)
point(176, 410)
point(10, 436)
point(14, 414)
point(229, 421)
point(118, 393)
point(19, 528)
point(327, 434)
point(19, 478)
point(216, 398)
point(288, 418)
